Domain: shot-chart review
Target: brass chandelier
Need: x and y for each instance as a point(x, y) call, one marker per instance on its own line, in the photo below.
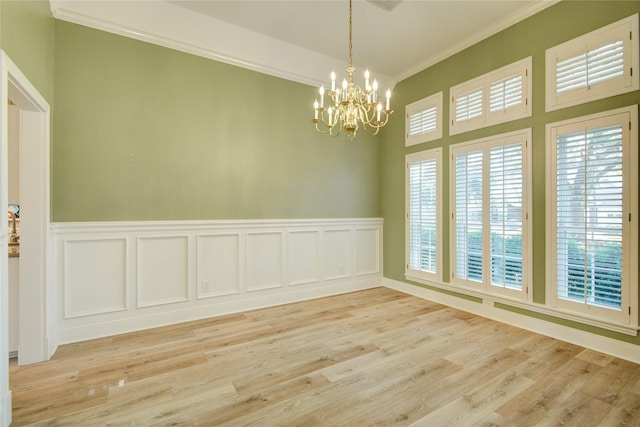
point(351, 106)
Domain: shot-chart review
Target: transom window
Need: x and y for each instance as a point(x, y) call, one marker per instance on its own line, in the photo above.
point(596, 65)
point(496, 97)
point(424, 120)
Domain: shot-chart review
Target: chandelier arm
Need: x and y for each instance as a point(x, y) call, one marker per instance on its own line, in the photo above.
point(368, 130)
point(327, 129)
point(329, 123)
point(320, 130)
point(369, 114)
point(363, 111)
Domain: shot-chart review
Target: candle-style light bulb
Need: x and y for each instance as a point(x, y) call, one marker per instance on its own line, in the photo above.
point(321, 96)
point(333, 81)
point(379, 108)
point(345, 93)
point(366, 80)
point(388, 99)
point(315, 107)
point(330, 116)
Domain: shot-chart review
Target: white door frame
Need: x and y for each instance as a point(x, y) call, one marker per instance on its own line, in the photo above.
point(37, 302)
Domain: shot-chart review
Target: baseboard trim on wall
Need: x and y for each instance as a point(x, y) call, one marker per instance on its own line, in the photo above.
point(5, 409)
point(592, 341)
point(187, 314)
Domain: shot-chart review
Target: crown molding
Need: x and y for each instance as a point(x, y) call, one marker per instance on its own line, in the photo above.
point(486, 32)
point(168, 25)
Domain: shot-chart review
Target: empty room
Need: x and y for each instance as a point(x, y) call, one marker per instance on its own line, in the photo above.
point(319, 213)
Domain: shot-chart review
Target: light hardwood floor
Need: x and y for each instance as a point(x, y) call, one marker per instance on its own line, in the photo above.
point(371, 358)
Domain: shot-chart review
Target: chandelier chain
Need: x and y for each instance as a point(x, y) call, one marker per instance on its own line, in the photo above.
point(350, 35)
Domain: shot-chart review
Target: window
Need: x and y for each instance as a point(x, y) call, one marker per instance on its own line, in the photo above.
point(469, 105)
point(506, 93)
point(490, 227)
point(468, 215)
point(497, 97)
point(423, 223)
point(592, 197)
point(594, 66)
point(424, 120)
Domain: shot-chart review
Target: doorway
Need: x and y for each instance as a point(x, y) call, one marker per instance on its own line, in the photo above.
point(36, 293)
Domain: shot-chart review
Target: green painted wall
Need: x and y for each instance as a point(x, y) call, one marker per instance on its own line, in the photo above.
point(27, 36)
point(531, 37)
point(142, 132)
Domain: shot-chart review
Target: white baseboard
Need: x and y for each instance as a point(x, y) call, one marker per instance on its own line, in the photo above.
point(592, 341)
point(5, 410)
point(98, 330)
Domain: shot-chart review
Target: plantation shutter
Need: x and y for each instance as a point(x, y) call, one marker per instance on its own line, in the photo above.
point(589, 216)
point(506, 201)
point(469, 105)
point(505, 93)
point(422, 122)
point(595, 66)
point(422, 215)
point(469, 215)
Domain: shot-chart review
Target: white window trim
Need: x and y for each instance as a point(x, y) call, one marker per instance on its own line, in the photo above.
point(522, 67)
point(485, 288)
point(626, 317)
point(418, 275)
point(433, 101)
point(627, 29)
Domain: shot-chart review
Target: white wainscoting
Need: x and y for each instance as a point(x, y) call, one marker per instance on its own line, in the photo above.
point(116, 277)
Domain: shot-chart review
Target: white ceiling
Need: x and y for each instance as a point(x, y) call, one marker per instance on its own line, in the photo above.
point(396, 43)
point(293, 38)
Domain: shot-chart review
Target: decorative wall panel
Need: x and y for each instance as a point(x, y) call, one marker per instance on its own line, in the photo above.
point(264, 255)
point(162, 270)
point(218, 265)
point(367, 248)
point(304, 265)
point(337, 254)
point(95, 276)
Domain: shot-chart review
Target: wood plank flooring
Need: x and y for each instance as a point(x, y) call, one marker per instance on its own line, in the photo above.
point(371, 358)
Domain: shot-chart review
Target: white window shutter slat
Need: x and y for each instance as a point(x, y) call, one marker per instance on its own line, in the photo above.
point(593, 66)
point(422, 216)
point(423, 120)
point(506, 205)
point(496, 97)
point(589, 200)
point(423, 222)
point(468, 215)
